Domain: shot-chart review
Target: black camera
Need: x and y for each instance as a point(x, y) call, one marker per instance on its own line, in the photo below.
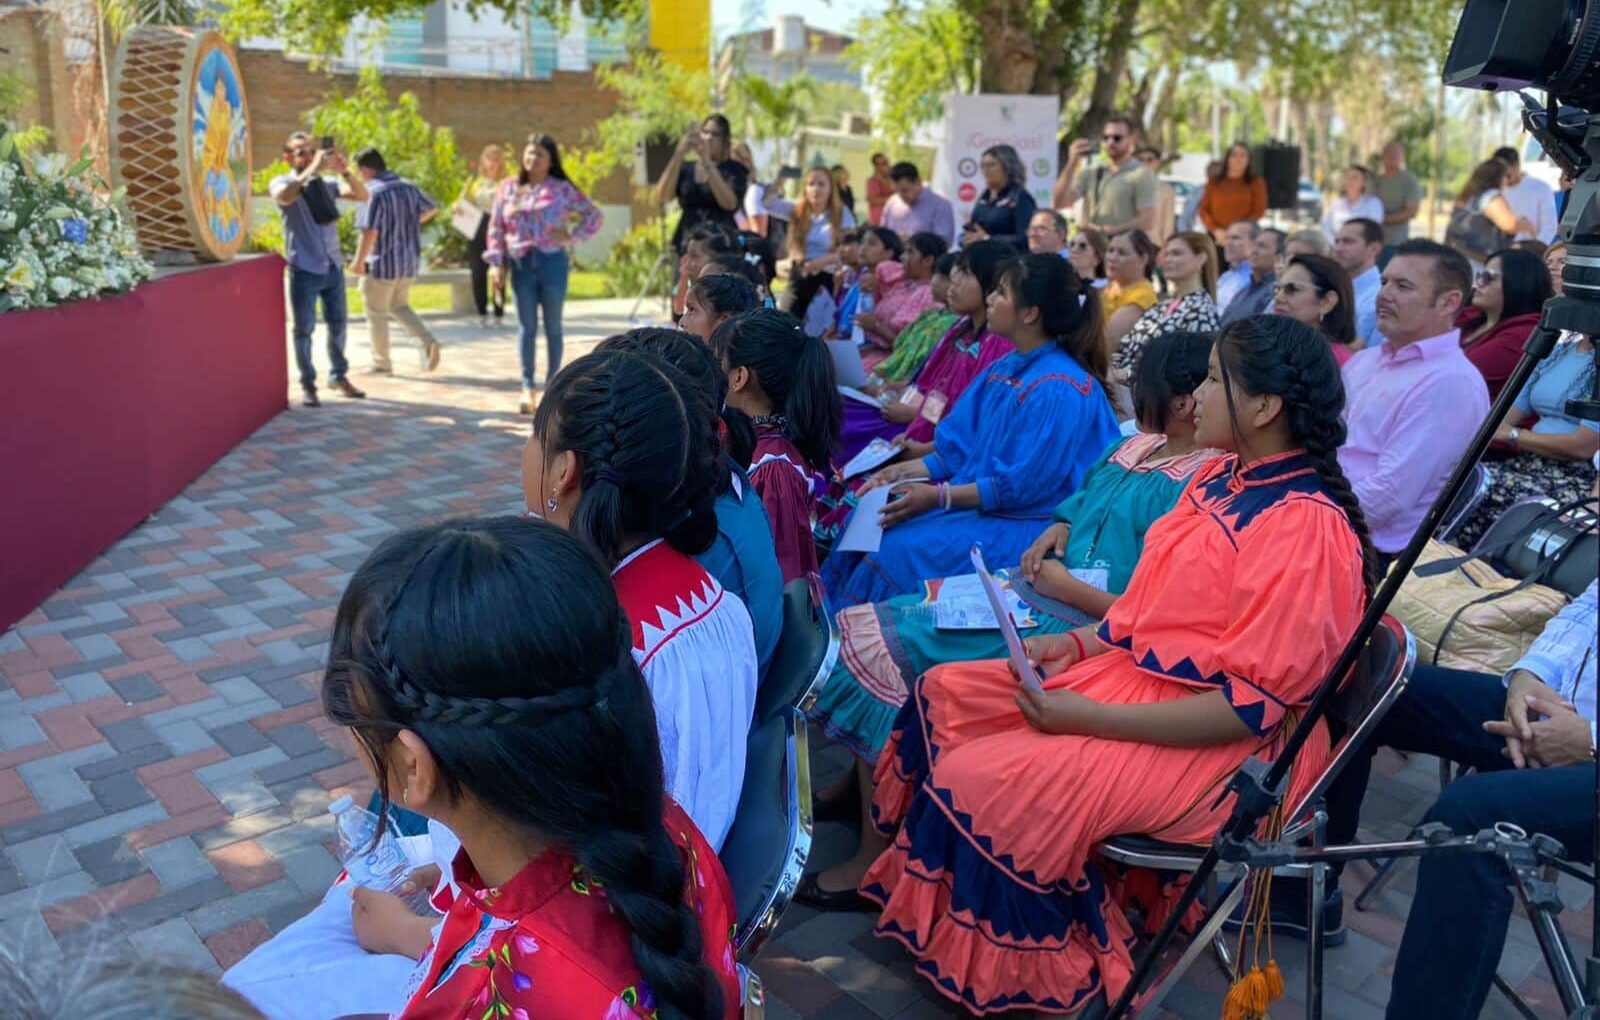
point(1550, 45)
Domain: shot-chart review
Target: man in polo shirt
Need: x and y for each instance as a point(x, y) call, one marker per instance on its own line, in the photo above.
point(390, 255)
point(305, 200)
point(1117, 196)
point(1413, 401)
point(1356, 247)
point(915, 208)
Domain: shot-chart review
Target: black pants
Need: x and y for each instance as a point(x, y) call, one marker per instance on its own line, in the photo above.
point(480, 273)
point(1457, 926)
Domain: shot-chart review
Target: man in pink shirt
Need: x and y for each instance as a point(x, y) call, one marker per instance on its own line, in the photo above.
point(1412, 402)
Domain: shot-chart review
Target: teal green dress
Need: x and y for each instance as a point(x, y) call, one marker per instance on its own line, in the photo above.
point(887, 645)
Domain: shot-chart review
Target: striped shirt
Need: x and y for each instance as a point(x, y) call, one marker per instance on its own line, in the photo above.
point(394, 209)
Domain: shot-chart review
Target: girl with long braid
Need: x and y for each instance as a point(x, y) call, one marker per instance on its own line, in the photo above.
point(1243, 597)
point(485, 671)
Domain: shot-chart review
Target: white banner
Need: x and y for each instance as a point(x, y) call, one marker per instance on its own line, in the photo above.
point(974, 123)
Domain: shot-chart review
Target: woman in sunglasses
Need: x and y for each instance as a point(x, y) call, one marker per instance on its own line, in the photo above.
point(1316, 290)
point(1510, 289)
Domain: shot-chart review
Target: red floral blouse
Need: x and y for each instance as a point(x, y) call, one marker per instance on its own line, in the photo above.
point(547, 945)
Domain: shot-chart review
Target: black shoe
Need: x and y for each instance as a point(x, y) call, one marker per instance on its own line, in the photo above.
point(846, 807)
point(345, 387)
point(814, 896)
point(311, 397)
point(1288, 914)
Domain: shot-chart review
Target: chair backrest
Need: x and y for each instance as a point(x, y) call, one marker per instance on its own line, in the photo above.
point(1371, 689)
point(769, 842)
point(808, 646)
point(1466, 501)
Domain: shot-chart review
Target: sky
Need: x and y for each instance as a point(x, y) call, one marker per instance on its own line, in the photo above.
point(834, 15)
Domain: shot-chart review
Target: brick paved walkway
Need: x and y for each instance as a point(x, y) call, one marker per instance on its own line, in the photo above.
point(165, 768)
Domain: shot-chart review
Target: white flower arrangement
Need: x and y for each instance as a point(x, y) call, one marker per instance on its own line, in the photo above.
point(62, 237)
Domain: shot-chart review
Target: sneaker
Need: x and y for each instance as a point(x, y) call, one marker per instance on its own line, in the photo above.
point(1288, 913)
point(529, 401)
point(380, 370)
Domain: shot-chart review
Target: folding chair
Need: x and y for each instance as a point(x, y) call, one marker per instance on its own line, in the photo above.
point(1363, 700)
point(767, 847)
point(808, 647)
point(1466, 501)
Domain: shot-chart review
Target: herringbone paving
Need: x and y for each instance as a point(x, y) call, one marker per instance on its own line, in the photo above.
point(165, 767)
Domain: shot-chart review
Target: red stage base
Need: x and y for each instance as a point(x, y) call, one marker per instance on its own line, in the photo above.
point(109, 408)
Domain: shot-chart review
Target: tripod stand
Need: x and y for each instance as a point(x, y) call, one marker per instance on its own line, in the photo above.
point(1259, 786)
point(664, 270)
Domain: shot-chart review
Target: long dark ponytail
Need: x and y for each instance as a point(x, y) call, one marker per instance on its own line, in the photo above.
point(1069, 308)
point(647, 441)
point(688, 354)
point(500, 644)
point(1275, 355)
point(793, 370)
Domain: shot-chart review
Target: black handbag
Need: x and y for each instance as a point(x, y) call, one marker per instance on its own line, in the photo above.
point(320, 201)
point(1557, 543)
point(1474, 235)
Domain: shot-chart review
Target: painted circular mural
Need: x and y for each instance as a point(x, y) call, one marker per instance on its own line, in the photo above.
point(219, 147)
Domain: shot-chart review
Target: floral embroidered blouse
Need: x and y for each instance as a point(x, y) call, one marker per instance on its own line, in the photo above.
point(546, 944)
point(526, 219)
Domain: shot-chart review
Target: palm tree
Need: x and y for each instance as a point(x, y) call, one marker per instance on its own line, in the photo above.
point(777, 112)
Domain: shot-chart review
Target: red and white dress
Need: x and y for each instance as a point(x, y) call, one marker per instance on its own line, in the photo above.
point(695, 645)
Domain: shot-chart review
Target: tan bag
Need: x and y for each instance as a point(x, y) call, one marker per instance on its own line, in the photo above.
point(1465, 615)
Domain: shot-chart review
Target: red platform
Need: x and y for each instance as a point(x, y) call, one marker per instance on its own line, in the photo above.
point(109, 408)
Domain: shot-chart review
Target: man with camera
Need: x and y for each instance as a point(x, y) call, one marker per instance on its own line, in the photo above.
point(1117, 196)
point(306, 199)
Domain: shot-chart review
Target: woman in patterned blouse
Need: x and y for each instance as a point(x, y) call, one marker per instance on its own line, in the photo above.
point(485, 671)
point(1189, 261)
point(538, 216)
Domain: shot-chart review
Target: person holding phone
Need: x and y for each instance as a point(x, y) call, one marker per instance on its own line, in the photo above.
point(1219, 641)
point(709, 188)
point(305, 198)
point(1118, 196)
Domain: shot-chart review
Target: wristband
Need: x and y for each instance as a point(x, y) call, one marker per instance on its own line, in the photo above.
point(1076, 640)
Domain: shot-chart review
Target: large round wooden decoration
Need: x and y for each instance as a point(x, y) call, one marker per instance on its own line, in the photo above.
point(180, 142)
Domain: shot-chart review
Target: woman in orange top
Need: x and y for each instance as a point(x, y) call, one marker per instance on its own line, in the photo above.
point(1237, 195)
point(1205, 660)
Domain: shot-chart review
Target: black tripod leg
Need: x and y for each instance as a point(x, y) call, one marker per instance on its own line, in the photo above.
point(1516, 1000)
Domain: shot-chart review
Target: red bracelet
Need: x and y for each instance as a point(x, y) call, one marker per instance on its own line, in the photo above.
point(1082, 653)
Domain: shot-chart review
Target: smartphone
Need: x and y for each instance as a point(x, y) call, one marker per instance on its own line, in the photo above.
point(1094, 149)
point(327, 143)
point(788, 173)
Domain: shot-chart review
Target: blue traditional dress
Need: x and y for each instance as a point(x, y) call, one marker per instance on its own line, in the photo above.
point(885, 646)
point(1025, 433)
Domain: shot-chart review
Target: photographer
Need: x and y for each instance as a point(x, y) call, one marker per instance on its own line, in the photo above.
point(306, 200)
point(709, 189)
point(1117, 196)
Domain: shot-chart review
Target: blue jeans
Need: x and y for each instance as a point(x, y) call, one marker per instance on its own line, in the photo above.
point(1457, 926)
point(305, 287)
point(539, 281)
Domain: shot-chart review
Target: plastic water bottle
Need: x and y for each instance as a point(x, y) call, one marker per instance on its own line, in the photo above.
point(376, 865)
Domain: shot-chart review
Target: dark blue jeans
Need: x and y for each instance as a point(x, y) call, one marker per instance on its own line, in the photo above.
point(539, 282)
point(1457, 926)
point(305, 288)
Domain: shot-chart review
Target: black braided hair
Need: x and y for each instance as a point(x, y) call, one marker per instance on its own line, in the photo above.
point(795, 372)
point(1172, 365)
point(726, 293)
point(648, 448)
point(685, 352)
point(1069, 308)
point(1277, 356)
point(499, 643)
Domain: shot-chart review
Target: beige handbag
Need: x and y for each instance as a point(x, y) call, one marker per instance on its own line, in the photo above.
point(1466, 615)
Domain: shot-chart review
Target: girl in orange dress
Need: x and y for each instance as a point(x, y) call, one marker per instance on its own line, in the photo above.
point(996, 798)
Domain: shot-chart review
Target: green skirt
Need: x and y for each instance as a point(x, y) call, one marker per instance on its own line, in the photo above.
point(885, 646)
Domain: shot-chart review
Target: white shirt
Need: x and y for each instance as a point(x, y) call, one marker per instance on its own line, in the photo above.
point(1536, 200)
point(1343, 210)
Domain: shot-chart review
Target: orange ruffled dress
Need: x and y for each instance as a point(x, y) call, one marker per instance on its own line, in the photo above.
point(1251, 585)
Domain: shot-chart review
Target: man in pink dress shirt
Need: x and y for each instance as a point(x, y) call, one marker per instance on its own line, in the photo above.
point(1412, 402)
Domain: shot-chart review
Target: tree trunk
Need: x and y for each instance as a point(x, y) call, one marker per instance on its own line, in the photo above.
point(1163, 133)
point(1108, 72)
point(1010, 50)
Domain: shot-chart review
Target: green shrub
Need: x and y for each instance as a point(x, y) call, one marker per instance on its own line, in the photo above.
point(633, 257)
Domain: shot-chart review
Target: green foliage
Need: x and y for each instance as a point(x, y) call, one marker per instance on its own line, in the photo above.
point(321, 27)
point(913, 54)
point(774, 112)
point(14, 95)
point(634, 256)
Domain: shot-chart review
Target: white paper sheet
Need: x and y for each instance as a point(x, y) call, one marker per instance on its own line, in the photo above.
point(875, 454)
point(847, 367)
point(963, 605)
point(863, 533)
point(851, 393)
point(1019, 654)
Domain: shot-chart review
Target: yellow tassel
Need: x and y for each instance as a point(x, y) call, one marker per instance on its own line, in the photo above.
point(1248, 998)
point(1274, 982)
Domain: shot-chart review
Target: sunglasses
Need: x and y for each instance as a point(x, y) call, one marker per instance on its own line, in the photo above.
point(1291, 288)
point(1487, 276)
point(1078, 245)
point(1112, 138)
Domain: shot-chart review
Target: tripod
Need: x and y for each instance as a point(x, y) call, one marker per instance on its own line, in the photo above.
point(1259, 786)
point(664, 270)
